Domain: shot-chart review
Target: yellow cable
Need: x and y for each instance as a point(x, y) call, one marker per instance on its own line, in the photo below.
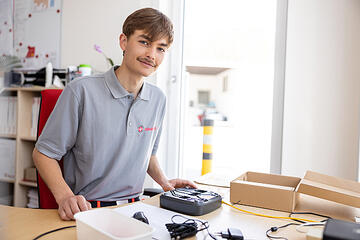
point(268, 216)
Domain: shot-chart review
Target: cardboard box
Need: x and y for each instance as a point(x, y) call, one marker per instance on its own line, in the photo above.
point(264, 190)
point(330, 188)
point(30, 174)
point(280, 192)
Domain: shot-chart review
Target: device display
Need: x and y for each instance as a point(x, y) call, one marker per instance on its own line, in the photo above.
point(190, 201)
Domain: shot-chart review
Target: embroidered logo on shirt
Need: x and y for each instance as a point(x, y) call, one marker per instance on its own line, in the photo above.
point(141, 129)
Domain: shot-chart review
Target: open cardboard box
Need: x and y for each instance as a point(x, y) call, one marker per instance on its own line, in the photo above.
point(280, 192)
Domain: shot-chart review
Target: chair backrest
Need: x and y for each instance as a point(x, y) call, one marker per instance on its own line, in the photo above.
point(49, 98)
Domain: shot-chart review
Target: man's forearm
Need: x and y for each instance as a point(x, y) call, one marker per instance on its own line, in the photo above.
point(50, 172)
point(156, 173)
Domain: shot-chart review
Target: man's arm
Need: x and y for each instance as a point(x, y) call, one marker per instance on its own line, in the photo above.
point(158, 175)
point(50, 171)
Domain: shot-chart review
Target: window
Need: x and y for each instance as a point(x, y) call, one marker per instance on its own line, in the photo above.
point(229, 52)
point(204, 97)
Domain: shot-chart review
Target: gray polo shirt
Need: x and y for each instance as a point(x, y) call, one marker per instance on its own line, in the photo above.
point(105, 136)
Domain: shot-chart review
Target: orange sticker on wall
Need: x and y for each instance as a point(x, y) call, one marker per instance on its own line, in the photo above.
point(31, 52)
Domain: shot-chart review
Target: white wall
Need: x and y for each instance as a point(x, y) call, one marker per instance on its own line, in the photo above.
point(89, 22)
point(322, 88)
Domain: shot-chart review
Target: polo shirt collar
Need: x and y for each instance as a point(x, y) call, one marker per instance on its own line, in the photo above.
point(144, 93)
point(118, 91)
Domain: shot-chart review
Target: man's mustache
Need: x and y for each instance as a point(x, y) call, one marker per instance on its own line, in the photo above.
point(147, 60)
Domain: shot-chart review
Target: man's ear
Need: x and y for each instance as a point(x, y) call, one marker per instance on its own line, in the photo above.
point(123, 41)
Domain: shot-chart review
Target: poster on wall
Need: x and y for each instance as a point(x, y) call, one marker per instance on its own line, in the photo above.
point(37, 29)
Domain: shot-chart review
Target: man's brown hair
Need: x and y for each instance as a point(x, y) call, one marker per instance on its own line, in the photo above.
point(153, 22)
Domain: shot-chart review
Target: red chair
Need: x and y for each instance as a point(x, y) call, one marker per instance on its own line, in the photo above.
point(49, 98)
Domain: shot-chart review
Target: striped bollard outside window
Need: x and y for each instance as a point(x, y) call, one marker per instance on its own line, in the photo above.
point(208, 125)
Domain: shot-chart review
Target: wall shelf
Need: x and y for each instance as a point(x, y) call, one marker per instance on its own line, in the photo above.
point(11, 136)
point(7, 180)
point(28, 138)
point(28, 183)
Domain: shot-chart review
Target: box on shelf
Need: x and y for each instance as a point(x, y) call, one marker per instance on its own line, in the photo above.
point(280, 192)
point(7, 159)
point(33, 198)
point(6, 200)
point(30, 174)
point(8, 115)
point(34, 116)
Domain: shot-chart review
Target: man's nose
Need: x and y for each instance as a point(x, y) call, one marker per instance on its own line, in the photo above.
point(151, 53)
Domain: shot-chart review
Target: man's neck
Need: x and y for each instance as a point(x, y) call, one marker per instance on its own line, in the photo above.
point(131, 83)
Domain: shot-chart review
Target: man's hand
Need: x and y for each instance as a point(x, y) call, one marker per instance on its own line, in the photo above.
point(50, 171)
point(177, 183)
point(70, 205)
point(157, 174)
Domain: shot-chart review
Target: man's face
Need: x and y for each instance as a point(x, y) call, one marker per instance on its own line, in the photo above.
point(142, 57)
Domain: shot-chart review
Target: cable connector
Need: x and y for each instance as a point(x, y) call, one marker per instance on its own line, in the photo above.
point(233, 234)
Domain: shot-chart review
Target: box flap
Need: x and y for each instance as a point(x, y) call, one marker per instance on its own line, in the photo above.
point(274, 179)
point(330, 188)
point(333, 181)
point(288, 188)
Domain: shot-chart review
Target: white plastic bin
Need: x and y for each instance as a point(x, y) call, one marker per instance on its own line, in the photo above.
point(108, 224)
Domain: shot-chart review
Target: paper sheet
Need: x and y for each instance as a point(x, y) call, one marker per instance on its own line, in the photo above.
point(215, 179)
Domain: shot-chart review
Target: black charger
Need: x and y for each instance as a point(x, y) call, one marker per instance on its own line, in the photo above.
point(233, 234)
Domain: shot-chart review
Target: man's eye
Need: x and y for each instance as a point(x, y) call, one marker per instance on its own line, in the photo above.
point(161, 49)
point(144, 42)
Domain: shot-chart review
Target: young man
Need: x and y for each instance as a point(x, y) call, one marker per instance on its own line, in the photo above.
point(107, 127)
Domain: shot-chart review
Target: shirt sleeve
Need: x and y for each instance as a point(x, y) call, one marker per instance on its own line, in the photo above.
point(60, 131)
point(157, 140)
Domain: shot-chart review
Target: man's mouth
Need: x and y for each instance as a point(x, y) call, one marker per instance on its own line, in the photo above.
point(147, 62)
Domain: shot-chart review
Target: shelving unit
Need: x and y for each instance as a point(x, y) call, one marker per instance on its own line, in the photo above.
point(24, 142)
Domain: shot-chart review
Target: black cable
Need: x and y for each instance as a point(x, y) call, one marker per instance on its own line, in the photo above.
point(55, 230)
point(274, 229)
point(191, 195)
point(187, 227)
point(311, 213)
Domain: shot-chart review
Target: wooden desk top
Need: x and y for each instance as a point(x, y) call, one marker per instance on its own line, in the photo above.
point(24, 223)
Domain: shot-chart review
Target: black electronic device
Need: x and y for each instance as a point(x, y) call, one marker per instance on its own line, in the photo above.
point(341, 230)
point(141, 217)
point(190, 201)
point(24, 77)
